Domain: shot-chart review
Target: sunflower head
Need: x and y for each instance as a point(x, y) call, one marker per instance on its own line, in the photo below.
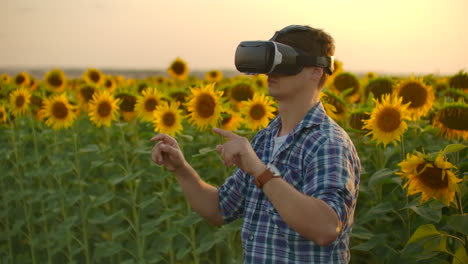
point(459, 81)
point(147, 103)
point(338, 111)
point(452, 120)
point(167, 118)
point(58, 112)
point(258, 111)
point(22, 79)
point(5, 78)
point(357, 117)
point(110, 84)
point(93, 76)
point(103, 108)
point(418, 95)
point(85, 94)
point(240, 91)
point(178, 69)
point(431, 175)
point(378, 87)
point(214, 76)
point(3, 114)
point(387, 122)
point(55, 80)
point(204, 106)
point(347, 84)
point(231, 120)
point(19, 101)
point(127, 105)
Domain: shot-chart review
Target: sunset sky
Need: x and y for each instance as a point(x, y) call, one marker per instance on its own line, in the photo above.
point(398, 36)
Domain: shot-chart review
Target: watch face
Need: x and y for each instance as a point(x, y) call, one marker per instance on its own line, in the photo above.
point(273, 169)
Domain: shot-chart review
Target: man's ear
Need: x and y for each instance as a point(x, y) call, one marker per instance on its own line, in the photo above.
point(315, 73)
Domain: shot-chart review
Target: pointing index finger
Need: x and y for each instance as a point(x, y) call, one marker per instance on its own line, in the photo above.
point(227, 134)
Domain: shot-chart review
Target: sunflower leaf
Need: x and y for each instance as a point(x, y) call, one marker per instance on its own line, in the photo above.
point(460, 256)
point(454, 148)
point(458, 223)
point(423, 232)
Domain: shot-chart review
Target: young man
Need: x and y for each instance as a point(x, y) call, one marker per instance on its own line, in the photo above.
point(296, 183)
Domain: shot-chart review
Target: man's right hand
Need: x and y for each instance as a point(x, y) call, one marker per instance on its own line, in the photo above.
point(166, 152)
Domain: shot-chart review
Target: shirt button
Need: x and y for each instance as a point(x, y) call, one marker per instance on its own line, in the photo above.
point(251, 237)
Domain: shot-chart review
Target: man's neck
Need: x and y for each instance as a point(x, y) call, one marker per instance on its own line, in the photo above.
point(292, 112)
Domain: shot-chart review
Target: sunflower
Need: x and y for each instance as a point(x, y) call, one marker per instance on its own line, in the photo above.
point(168, 118)
point(58, 112)
point(387, 121)
point(55, 80)
point(419, 96)
point(3, 114)
point(85, 95)
point(379, 87)
point(239, 92)
point(178, 69)
point(110, 84)
point(214, 76)
point(348, 85)
point(93, 76)
point(147, 103)
point(261, 80)
point(231, 120)
point(357, 117)
point(452, 120)
point(459, 81)
point(37, 104)
point(127, 105)
point(432, 177)
point(19, 101)
point(258, 112)
point(103, 108)
point(204, 106)
point(22, 79)
point(4, 78)
point(32, 84)
point(334, 105)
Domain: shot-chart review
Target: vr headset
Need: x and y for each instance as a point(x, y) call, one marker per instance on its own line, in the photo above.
point(254, 57)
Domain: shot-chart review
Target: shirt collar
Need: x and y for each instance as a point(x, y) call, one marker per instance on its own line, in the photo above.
point(314, 117)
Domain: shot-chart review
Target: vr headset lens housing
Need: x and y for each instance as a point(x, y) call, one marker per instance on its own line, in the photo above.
point(253, 57)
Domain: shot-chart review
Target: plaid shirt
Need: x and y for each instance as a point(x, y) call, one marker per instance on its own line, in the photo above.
point(318, 159)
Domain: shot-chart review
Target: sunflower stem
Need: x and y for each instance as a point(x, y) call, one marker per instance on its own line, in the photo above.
point(20, 179)
point(83, 210)
point(41, 184)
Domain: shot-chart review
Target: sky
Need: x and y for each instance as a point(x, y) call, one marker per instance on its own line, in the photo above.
point(397, 36)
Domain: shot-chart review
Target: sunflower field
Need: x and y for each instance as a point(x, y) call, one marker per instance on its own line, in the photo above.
point(78, 185)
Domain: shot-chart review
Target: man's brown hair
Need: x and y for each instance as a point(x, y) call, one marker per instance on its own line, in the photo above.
point(314, 42)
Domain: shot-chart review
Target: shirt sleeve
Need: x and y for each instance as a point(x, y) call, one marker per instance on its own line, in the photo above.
point(332, 177)
point(232, 196)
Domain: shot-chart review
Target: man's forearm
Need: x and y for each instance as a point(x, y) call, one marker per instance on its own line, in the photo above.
point(202, 196)
point(309, 216)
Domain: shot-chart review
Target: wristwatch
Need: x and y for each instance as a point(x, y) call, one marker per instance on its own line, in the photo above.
point(270, 173)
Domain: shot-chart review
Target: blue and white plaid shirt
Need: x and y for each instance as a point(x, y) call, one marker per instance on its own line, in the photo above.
point(319, 159)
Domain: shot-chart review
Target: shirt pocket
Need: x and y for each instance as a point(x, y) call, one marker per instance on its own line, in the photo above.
point(291, 174)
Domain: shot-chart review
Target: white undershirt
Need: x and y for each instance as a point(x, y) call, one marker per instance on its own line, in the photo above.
point(278, 142)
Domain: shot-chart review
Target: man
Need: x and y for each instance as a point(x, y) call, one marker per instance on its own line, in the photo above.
point(296, 183)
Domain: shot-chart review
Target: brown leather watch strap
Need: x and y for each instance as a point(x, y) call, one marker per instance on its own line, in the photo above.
point(264, 178)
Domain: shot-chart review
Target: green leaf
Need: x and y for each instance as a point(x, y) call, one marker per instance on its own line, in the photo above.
point(460, 256)
point(381, 176)
point(361, 232)
point(103, 199)
point(107, 249)
point(458, 223)
point(423, 232)
point(90, 148)
point(431, 214)
point(102, 218)
point(454, 148)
